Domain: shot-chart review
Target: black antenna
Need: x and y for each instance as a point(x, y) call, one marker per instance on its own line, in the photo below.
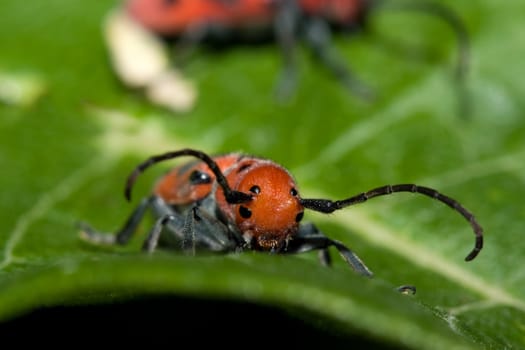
point(233, 197)
point(328, 206)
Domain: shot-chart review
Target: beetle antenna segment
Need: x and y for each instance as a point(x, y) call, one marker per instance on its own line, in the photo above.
point(444, 13)
point(328, 206)
point(232, 197)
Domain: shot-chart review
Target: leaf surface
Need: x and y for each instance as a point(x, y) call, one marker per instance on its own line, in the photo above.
point(66, 151)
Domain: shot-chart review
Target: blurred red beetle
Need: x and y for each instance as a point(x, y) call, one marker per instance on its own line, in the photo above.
point(236, 202)
point(194, 21)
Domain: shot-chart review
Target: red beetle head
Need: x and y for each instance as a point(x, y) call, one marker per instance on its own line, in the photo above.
point(272, 216)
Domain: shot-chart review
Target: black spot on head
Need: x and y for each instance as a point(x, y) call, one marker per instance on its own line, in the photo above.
point(245, 212)
point(255, 189)
point(293, 192)
point(199, 177)
point(299, 216)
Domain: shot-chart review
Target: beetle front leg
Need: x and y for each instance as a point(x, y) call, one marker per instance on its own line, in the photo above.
point(177, 224)
point(213, 233)
point(151, 242)
point(193, 229)
point(124, 234)
point(188, 232)
point(311, 238)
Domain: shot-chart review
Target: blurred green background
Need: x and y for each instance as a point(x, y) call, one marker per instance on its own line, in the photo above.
point(71, 133)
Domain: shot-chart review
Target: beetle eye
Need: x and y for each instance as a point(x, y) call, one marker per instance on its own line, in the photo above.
point(255, 189)
point(299, 216)
point(198, 177)
point(293, 192)
point(245, 212)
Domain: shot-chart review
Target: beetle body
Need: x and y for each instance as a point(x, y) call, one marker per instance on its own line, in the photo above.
point(195, 21)
point(262, 222)
point(236, 202)
point(177, 17)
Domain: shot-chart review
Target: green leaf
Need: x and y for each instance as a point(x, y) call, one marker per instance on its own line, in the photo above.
point(67, 149)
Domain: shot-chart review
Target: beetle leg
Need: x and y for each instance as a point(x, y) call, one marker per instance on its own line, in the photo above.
point(318, 37)
point(179, 225)
point(194, 229)
point(285, 26)
point(124, 234)
point(188, 232)
point(153, 237)
point(219, 237)
point(324, 257)
point(311, 238)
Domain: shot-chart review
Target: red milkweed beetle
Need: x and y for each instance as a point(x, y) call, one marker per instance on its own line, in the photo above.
point(194, 21)
point(236, 202)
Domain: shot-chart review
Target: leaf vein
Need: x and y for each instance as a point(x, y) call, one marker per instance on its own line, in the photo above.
point(47, 201)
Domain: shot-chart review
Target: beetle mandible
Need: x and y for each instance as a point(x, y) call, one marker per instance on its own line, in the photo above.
point(195, 21)
point(236, 202)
